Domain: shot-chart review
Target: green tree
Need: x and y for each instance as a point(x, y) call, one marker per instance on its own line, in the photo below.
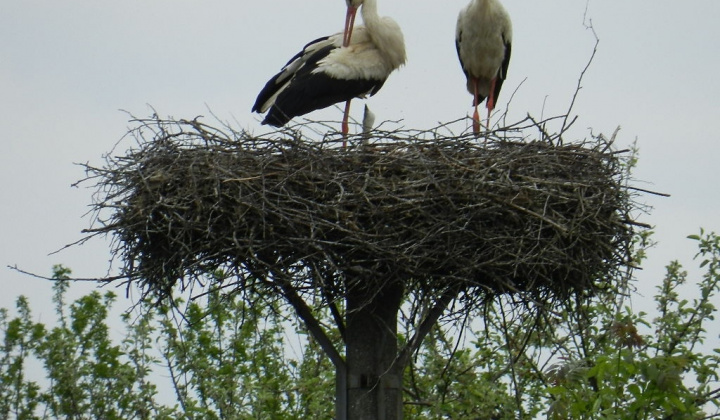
point(228, 359)
point(666, 373)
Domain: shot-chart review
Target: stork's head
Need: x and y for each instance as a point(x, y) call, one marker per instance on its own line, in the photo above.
point(352, 8)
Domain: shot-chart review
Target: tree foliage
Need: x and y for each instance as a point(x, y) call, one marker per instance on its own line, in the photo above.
point(228, 359)
point(665, 373)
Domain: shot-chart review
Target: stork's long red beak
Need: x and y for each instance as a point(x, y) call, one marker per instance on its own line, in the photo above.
point(349, 23)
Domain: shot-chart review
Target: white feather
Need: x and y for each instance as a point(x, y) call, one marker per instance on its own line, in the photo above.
point(375, 51)
point(483, 29)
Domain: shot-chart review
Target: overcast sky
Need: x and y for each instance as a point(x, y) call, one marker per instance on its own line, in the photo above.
point(67, 68)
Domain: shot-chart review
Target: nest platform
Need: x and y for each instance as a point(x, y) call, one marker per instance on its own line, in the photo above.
point(492, 215)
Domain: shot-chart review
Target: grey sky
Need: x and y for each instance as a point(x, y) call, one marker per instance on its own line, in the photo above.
point(67, 67)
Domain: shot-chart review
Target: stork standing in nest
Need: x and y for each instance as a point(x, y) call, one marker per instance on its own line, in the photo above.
point(335, 68)
point(483, 38)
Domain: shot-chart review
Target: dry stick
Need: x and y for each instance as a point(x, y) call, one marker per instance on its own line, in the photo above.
point(104, 280)
point(426, 325)
point(565, 125)
point(460, 338)
point(313, 325)
point(330, 299)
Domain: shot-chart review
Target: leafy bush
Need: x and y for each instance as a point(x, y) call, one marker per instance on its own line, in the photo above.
point(227, 359)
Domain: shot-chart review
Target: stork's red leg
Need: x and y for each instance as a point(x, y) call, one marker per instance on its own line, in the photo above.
point(491, 100)
point(476, 115)
point(346, 116)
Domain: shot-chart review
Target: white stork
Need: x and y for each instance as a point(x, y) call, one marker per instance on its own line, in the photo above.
point(325, 72)
point(483, 37)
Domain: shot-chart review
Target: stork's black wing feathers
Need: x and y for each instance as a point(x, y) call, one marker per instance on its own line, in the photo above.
point(286, 73)
point(309, 91)
point(502, 71)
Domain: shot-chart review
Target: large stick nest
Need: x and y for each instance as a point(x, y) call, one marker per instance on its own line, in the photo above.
point(497, 215)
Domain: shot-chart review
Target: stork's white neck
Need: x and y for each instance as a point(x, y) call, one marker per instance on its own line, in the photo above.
point(485, 6)
point(370, 14)
point(483, 3)
point(385, 33)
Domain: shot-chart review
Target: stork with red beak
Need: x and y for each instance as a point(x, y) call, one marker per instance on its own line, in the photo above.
point(335, 68)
